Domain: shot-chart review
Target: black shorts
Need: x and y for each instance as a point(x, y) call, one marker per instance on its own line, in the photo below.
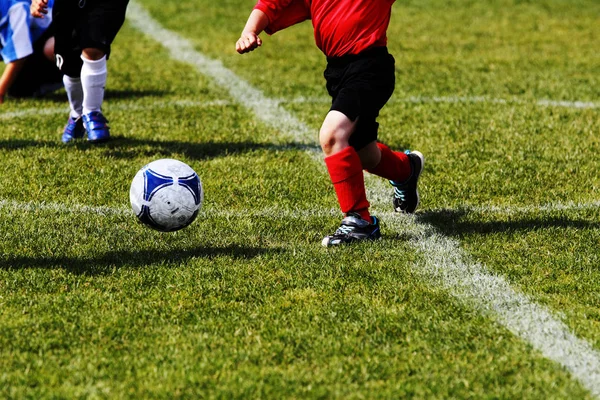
point(81, 24)
point(39, 75)
point(359, 86)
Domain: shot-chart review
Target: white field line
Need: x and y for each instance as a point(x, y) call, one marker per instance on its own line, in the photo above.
point(467, 100)
point(31, 206)
point(33, 112)
point(381, 203)
point(61, 208)
point(445, 263)
point(513, 210)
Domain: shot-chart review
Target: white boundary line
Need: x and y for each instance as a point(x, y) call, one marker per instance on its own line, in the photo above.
point(510, 210)
point(444, 260)
point(469, 99)
point(33, 112)
point(279, 213)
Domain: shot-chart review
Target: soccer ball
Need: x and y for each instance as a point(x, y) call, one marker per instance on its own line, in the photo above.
point(166, 195)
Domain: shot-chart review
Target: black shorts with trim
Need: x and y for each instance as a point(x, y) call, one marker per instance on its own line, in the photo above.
point(81, 24)
point(359, 86)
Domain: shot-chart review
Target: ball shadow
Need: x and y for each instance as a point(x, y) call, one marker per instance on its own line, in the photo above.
point(108, 262)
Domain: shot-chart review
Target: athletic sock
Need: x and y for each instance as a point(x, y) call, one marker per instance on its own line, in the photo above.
point(93, 81)
point(348, 180)
point(74, 94)
point(394, 165)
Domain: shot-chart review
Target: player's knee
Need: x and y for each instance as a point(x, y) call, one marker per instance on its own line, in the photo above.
point(327, 140)
point(335, 132)
point(92, 53)
point(332, 139)
point(49, 49)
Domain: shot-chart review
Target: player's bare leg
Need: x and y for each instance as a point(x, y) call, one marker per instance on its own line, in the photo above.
point(346, 171)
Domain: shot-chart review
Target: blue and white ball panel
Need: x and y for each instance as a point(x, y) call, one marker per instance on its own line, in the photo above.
point(166, 195)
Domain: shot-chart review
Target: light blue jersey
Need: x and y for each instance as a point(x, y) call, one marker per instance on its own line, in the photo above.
point(19, 30)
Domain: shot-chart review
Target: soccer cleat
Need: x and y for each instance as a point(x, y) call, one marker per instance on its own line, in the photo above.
point(96, 126)
point(406, 194)
point(353, 229)
point(73, 130)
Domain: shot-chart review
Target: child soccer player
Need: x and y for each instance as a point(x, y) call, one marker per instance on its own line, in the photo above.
point(27, 48)
point(360, 78)
point(85, 30)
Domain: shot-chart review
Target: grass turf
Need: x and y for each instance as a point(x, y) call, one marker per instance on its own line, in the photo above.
point(245, 302)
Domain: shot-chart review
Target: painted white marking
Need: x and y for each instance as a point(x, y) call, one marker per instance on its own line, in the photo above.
point(13, 205)
point(61, 208)
point(383, 202)
point(511, 210)
point(32, 112)
point(444, 261)
point(484, 99)
point(568, 104)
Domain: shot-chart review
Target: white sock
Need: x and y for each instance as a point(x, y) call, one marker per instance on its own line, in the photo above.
point(93, 80)
point(74, 94)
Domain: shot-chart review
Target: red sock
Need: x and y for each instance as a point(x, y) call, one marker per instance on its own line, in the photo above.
point(394, 165)
point(348, 180)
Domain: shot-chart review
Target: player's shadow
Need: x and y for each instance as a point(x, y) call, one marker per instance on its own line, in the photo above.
point(455, 222)
point(108, 262)
point(130, 148)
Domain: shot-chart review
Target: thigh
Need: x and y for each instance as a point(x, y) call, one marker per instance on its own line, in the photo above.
point(367, 86)
point(65, 17)
point(373, 80)
point(101, 22)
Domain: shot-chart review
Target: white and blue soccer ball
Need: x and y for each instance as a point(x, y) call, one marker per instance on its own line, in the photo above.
point(166, 195)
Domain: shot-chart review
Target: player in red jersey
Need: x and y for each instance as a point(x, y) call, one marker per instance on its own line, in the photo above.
point(360, 78)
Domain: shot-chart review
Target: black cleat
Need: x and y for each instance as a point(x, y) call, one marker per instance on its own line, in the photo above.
point(353, 229)
point(406, 194)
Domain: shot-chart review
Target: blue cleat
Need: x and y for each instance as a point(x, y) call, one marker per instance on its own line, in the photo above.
point(73, 130)
point(96, 126)
point(406, 194)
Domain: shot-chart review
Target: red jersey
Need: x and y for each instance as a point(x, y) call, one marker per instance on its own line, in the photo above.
point(341, 26)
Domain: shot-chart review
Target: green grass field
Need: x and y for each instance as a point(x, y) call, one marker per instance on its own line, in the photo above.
point(479, 295)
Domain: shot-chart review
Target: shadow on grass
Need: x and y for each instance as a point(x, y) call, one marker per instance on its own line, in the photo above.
point(108, 262)
point(131, 148)
point(455, 223)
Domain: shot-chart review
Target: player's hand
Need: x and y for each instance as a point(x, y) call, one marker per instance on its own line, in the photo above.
point(247, 42)
point(39, 8)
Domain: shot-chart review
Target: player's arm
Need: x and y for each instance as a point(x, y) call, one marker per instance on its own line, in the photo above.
point(9, 76)
point(249, 40)
point(39, 8)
